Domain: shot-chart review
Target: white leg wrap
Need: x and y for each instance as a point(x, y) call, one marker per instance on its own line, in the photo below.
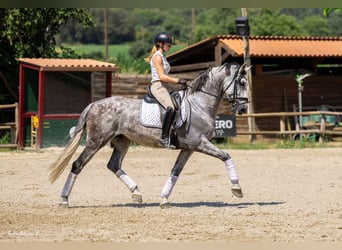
point(232, 171)
point(126, 179)
point(69, 184)
point(171, 182)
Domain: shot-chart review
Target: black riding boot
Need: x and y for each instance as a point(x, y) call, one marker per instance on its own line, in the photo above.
point(167, 121)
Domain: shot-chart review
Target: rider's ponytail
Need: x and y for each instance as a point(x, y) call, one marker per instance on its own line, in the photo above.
point(148, 59)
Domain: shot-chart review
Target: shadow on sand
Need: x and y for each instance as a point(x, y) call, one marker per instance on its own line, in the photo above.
point(190, 204)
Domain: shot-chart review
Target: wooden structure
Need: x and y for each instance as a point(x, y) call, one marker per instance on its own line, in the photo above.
point(11, 126)
point(53, 93)
point(276, 62)
point(323, 126)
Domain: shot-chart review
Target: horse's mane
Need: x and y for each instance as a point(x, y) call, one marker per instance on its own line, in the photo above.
point(200, 80)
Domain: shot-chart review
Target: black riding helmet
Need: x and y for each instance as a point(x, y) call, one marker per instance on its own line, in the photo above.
point(164, 37)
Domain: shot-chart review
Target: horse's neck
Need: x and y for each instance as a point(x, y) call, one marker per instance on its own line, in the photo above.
point(204, 103)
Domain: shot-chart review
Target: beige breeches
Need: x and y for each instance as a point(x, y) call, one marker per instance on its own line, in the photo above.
point(162, 95)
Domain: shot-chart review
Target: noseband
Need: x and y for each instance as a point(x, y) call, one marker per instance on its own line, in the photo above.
point(234, 99)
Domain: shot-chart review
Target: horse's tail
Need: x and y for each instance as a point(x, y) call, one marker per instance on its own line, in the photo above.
point(57, 168)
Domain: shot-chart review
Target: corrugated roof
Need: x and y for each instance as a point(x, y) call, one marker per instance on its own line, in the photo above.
point(280, 46)
point(263, 49)
point(58, 64)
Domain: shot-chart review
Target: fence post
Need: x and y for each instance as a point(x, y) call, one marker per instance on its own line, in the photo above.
point(322, 129)
point(282, 125)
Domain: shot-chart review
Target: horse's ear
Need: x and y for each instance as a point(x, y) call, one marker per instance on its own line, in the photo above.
point(248, 68)
point(242, 68)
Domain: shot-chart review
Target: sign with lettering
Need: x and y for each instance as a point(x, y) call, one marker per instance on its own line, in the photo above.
point(225, 125)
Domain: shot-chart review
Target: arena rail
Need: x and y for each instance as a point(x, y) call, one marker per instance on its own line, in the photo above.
point(321, 128)
point(12, 126)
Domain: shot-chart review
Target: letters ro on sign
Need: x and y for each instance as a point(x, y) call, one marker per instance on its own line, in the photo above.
point(225, 125)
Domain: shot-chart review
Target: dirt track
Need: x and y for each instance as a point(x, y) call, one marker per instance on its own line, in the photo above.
point(290, 195)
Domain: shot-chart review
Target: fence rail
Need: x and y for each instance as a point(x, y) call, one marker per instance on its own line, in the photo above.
point(12, 126)
point(321, 128)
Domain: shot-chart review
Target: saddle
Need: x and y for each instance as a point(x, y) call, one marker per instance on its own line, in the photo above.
point(152, 112)
point(175, 98)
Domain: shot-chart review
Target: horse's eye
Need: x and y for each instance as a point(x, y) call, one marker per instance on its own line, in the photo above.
point(243, 81)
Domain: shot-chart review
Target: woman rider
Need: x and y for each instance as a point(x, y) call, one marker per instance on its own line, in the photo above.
point(160, 69)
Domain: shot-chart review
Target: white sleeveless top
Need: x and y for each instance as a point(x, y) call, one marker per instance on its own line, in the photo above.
point(166, 65)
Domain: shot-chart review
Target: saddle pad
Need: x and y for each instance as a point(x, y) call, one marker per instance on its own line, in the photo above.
point(150, 114)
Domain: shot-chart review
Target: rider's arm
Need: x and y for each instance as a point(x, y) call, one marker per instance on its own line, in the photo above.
point(158, 62)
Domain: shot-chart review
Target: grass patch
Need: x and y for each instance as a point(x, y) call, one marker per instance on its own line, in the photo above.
point(90, 49)
point(114, 50)
point(6, 138)
point(118, 54)
point(302, 143)
point(226, 143)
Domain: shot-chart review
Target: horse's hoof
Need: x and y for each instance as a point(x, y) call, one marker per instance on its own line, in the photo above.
point(165, 204)
point(136, 196)
point(237, 191)
point(64, 203)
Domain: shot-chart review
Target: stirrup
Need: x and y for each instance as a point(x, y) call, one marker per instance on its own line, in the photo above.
point(165, 143)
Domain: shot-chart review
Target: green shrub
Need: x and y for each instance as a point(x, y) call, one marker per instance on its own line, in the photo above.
point(6, 138)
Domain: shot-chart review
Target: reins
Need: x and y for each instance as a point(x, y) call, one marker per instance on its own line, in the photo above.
point(231, 98)
point(234, 96)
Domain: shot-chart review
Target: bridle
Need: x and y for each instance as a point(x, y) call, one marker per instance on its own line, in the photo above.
point(232, 98)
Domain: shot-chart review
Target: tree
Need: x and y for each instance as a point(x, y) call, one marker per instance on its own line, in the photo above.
point(28, 32)
point(269, 22)
point(328, 11)
point(214, 22)
point(316, 26)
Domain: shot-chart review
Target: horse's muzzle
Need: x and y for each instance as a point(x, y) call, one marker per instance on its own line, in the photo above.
point(240, 106)
point(242, 111)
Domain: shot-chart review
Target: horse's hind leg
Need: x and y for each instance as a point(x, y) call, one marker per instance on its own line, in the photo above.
point(182, 158)
point(77, 166)
point(121, 145)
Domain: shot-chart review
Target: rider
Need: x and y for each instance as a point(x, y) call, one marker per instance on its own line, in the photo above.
point(160, 68)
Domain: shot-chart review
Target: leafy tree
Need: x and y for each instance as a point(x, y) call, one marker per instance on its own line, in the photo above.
point(213, 22)
point(316, 26)
point(271, 22)
point(328, 11)
point(30, 32)
point(301, 13)
point(334, 20)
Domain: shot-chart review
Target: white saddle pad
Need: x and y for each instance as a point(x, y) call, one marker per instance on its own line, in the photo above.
point(150, 114)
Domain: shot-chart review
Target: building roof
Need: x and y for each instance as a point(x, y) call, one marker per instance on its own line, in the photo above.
point(281, 46)
point(262, 49)
point(58, 64)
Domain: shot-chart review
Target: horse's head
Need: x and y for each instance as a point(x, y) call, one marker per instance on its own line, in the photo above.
point(235, 87)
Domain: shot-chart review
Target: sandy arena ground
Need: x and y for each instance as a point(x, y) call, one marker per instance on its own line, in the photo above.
point(289, 196)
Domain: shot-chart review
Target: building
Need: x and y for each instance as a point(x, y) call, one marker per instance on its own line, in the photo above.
point(53, 92)
point(276, 61)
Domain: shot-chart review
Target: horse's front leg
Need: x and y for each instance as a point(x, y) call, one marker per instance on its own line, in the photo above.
point(182, 158)
point(208, 148)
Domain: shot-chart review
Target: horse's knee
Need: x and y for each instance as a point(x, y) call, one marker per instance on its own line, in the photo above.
point(176, 172)
point(113, 166)
point(76, 167)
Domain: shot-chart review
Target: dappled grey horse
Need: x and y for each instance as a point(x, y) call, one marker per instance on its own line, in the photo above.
point(117, 120)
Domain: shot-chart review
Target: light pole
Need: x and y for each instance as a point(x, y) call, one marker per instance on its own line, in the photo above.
point(300, 80)
point(242, 29)
point(105, 33)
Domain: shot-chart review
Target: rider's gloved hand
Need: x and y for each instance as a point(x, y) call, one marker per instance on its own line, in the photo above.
point(182, 81)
